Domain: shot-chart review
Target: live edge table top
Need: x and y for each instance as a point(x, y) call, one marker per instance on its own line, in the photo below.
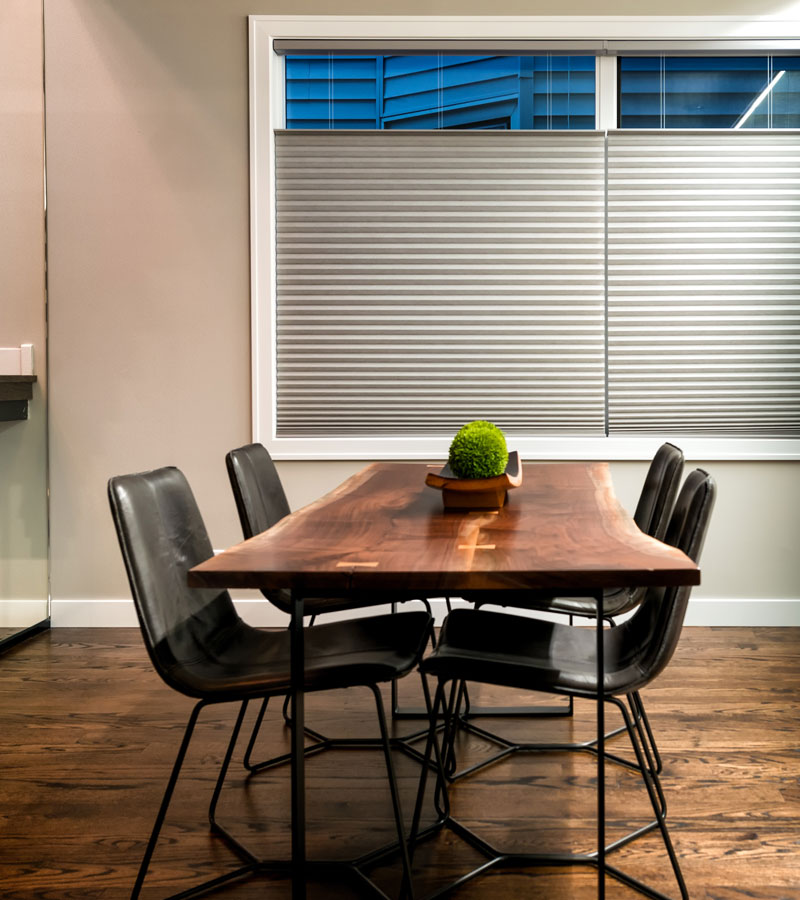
point(384, 529)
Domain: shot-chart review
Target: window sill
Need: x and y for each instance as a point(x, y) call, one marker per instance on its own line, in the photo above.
point(531, 448)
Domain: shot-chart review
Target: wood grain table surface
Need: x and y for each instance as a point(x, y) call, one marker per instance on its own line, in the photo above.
point(384, 528)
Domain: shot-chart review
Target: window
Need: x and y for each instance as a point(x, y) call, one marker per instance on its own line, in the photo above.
point(427, 260)
point(709, 92)
point(442, 91)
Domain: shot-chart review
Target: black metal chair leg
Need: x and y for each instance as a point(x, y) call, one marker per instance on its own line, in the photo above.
point(251, 861)
point(253, 735)
point(650, 738)
point(651, 765)
point(467, 701)
point(460, 693)
point(639, 717)
point(287, 718)
point(451, 724)
point(212, 807)
point(235, 845)
point(636, 716)
point(441, 800)
point(407, 887)
point(650, 782)
point(431, 747)
point(412, 712)
point(321, 741)
point(162, 811)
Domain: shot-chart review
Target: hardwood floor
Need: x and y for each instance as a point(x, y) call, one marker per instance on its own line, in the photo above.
point(88, 734)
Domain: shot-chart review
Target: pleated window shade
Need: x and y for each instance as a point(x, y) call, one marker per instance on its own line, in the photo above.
point(704, 283)
point(428, 278)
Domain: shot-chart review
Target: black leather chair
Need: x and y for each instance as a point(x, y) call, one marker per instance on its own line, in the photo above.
point(652, 514)
point(504, 649)
point(261, 503)
point(201, 648)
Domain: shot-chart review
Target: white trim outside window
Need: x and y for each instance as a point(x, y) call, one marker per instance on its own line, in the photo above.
point(653, 34)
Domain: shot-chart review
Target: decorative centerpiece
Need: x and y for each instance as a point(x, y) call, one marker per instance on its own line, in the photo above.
point(480, 471)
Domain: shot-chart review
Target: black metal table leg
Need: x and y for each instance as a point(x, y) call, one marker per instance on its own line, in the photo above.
point(601, 756)
point(297, 649)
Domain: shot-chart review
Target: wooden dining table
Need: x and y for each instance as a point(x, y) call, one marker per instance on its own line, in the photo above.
point(383, 534)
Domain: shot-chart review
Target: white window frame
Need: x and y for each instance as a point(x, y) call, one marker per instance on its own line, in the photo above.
point(659, 34)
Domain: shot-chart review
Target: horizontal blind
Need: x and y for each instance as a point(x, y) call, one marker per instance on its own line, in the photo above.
point(704, 283)
point(428, 278)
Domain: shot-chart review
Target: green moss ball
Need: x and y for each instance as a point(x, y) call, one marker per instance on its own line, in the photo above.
point(478, 451)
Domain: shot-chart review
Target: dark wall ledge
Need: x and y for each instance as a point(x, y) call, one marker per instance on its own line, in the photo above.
point(15, 391)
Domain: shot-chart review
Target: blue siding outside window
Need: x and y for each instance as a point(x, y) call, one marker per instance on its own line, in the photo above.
point(383, 92)
point(332, 92)
point(563, 92)
point(709, 92)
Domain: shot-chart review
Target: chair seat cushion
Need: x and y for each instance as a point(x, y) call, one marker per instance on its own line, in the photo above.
point(515, 651)
point(616, 601)
point(238, 660)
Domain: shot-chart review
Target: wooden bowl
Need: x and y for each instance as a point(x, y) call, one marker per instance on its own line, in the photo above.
point(477, 493)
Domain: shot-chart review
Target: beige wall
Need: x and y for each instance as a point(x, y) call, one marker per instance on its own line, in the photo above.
point(149, 279)
point(23, 496)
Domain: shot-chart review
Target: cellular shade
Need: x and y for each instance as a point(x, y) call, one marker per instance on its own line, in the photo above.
point(704, 283)
point(427, 278)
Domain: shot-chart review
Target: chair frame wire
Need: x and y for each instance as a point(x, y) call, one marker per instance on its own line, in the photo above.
point(496, 858)
point(509, 746)
point(322, 742)
point(254, 865)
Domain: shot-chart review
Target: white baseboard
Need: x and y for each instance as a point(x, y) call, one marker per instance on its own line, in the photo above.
point(744, 612)
point(92, 614)
point(121, 614)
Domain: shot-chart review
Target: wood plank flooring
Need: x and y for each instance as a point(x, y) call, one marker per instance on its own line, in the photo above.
point(88, 734)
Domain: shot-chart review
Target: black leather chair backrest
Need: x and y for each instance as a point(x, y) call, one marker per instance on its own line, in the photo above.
point(659, 491)
point(257, 488)
point(162, 536)
point(646, 642)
